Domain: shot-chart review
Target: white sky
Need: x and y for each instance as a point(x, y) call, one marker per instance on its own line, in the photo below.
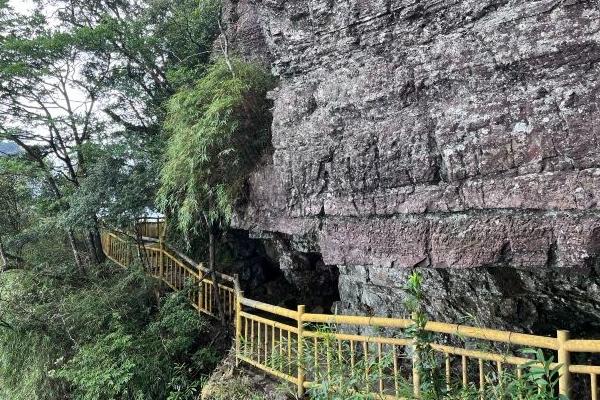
point(22, 5)
point(56, 102)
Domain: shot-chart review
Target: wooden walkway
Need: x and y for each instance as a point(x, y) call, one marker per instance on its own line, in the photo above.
point(308, 349)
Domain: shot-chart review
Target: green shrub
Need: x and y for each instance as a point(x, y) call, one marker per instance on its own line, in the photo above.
point(99, 337)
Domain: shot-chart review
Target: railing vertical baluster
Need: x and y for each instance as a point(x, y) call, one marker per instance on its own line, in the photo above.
point(200, 291)
point(352, 359)
point(465, 378)
point(224, 301)
point(258, 343)
point(300, 355)
point(367, 365)
point(266, 345)
point(594, 386)
point(280, 350)
point(447, 362)
point(519, 378)
point(564, 359)
point(238, 325)
point(481, 380)
point(416, 375)
point(168, 271)
point(328, 356)
point(251, 338)
point(246, 344)
point(396, 383)
point(500, 372)
point(182, 276)
point(289, 351)
point(316, 355)
point(205, 286)
point(211, 300)
point(380, 368)
point(273, 358)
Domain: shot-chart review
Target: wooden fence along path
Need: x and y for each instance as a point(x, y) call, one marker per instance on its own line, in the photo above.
point(307, 349)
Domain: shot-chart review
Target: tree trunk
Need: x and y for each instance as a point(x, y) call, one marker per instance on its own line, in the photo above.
point(57, 193)
point(3, 258)
point(212, 230)
point(93, 252)
point(76, 255)
point(95, 242)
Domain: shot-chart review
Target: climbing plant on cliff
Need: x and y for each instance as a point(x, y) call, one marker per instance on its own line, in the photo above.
point(217, 130)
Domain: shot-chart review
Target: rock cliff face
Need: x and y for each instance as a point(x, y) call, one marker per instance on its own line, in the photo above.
point(461, 137)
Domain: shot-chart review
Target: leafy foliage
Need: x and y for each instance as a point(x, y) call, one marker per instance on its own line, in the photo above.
point(539, 379)
point(104, 338)
point(121, 182)
point(218, 130)
point(343, 378)
point(158, 45)
point(82, 94)
point(427, 362)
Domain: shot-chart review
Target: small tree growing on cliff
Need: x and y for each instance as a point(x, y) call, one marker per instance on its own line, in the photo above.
point(217, 131)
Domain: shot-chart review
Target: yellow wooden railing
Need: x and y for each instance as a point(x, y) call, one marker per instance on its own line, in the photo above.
point(151, 227)
point(177, 273)
point(306, 349)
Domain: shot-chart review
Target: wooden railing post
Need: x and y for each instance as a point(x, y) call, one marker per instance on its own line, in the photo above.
point(238, 325)
point(163, 232)
point(564, 359)
point(416, 375)
point(161, 259)
point(201, 298)
point(300, 355)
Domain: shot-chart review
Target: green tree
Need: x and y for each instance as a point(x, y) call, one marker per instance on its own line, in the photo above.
point(156, 46)
point(85, 97)
point(48, 107)
point(16, 200)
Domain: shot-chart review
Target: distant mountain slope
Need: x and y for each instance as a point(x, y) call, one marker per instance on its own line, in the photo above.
point(7, 148)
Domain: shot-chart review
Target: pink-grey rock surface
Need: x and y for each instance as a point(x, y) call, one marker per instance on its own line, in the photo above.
point(446, 134)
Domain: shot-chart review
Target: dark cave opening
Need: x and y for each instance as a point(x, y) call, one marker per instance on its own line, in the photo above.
point(274, 269)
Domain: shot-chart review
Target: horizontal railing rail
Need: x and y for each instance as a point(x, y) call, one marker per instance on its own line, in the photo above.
point(306, 349)
point(151, 227)
point(316, 334)
point(176, 273)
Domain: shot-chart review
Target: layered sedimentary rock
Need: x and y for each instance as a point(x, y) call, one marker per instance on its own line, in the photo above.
point(458, 135)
